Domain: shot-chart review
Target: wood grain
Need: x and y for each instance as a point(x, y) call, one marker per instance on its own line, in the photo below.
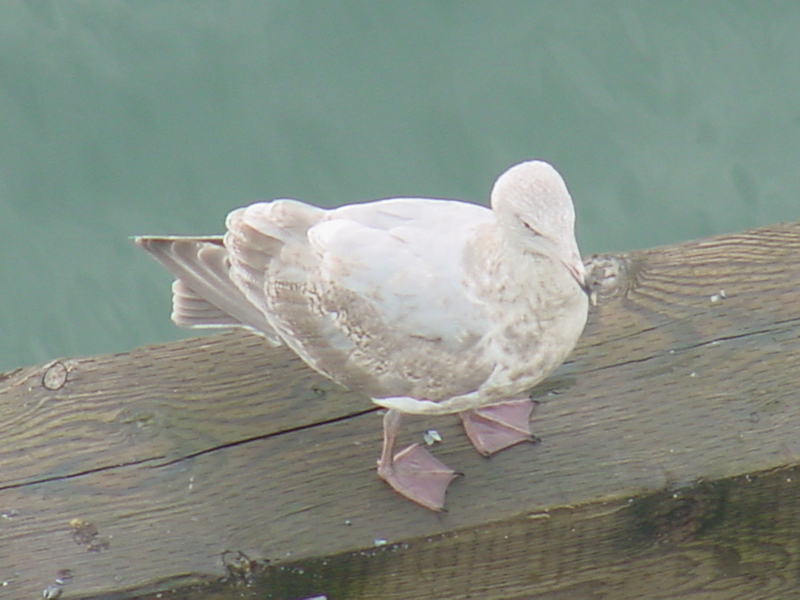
point(184, 455)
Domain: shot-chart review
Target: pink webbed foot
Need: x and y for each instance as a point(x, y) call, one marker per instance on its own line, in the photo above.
point(495, 427)
point(413, 473)
point(419, 476)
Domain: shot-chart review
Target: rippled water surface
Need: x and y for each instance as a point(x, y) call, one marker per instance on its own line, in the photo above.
point(669, 121)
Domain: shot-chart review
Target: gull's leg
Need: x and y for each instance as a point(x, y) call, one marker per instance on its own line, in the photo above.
point(414, 473)
point(495, 427)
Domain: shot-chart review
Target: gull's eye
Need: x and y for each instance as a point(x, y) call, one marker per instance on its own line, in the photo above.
point(531, 229)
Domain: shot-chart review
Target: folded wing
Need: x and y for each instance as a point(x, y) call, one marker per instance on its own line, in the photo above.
point(372, 295)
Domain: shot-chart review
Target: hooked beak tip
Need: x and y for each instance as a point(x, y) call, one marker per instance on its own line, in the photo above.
point(577, 271)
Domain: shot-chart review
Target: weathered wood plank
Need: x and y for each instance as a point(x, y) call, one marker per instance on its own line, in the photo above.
point(713, 540)
point(176, 453)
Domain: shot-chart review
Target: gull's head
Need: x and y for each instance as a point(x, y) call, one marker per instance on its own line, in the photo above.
point(533, 207)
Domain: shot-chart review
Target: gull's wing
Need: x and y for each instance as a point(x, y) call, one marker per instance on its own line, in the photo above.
point(372, 295)
point(203, 295)
point(406, 257)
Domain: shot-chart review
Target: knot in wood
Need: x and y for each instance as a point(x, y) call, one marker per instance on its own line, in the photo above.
point(55, 376)
point(238, 564)
point(607, 276)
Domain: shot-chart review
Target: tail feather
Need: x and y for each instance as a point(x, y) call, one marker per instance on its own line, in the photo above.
point(193, 311)
point(223, 280)
point(205, 295)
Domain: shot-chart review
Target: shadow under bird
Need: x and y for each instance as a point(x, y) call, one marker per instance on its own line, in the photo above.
point(427, 306)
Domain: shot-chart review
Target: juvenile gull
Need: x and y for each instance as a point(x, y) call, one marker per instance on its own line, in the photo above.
point(427, 306)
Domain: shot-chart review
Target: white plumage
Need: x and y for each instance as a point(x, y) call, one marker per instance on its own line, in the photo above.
point(427, 306)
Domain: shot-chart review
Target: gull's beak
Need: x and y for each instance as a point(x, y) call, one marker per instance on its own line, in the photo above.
point(578, 271)
point(574, 264)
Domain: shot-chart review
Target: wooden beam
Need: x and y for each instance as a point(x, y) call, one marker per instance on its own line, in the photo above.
point(183, 463)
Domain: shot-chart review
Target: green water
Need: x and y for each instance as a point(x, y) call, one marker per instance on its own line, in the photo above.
point(669, 121)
